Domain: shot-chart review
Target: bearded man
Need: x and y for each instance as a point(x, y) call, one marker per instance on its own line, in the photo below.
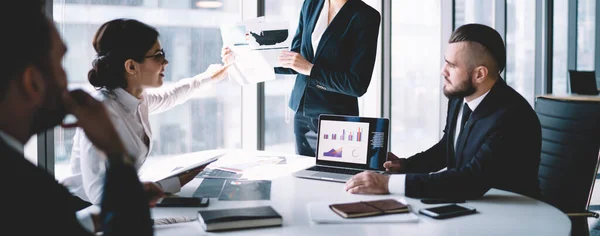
point(492, 137)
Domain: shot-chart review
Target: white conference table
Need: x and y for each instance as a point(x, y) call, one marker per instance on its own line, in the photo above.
point(499, 212)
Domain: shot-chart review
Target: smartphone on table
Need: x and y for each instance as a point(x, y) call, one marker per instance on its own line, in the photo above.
point(448, 211)
point(183, 202)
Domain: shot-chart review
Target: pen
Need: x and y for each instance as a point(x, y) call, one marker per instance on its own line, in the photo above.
point(173, 220)
point(441, 201)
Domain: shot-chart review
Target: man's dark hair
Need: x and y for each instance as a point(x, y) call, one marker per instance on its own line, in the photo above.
point(25, 40)
point(489, 38)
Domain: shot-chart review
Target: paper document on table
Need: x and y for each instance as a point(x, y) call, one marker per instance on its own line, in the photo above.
point(243, 164)
point(256, 45)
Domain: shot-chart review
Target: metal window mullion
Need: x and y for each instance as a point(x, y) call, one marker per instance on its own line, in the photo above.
point(549, 42)
point(540, 49)
point(386, 65)
point(572, 39)
point(260, 95)
point(500, 13)
point(45, 140)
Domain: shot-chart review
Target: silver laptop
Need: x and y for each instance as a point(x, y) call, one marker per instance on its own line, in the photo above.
point(348, 145)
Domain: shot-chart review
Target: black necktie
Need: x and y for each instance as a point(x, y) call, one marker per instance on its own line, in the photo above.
point(466, 113)
point(465, 116)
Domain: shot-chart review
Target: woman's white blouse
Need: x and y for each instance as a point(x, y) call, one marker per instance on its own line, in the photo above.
point(320, 27)
point(130, 117)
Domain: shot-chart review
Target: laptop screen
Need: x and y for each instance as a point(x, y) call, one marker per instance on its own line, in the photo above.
point(352, 141)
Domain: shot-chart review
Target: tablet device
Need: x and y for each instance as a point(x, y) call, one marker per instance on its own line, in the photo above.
point(448, 211)
point(176, 165)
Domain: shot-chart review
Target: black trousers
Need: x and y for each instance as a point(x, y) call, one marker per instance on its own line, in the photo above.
point(305, 130)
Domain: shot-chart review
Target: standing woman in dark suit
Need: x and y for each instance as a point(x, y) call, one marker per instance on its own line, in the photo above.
point(333, 54)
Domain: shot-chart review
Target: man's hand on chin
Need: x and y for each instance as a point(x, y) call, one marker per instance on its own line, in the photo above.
point(368, 183)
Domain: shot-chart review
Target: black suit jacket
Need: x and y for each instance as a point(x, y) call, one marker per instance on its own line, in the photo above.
point(343, 63)
point(34, 203)
point(501, 150)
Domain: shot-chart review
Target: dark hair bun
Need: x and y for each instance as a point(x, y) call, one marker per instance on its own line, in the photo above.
point(94, 75)
point(116, 42)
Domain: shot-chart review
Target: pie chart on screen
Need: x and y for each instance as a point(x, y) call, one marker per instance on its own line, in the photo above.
point(355, 153)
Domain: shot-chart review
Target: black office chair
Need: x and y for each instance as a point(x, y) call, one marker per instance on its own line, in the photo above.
point(583, 82)
point(570, 156)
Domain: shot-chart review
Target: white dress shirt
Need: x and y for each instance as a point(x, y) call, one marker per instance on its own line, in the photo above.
point(398, 182)
point(130, 117)
point(473, 104)
point(83, 216)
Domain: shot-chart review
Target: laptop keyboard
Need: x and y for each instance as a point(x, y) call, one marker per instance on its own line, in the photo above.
point(334, 170)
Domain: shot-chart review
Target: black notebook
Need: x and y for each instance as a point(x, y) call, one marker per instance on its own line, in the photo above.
point(239, 218)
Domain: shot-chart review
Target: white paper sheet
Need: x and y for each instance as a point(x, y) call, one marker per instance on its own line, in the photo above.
point(256, 45)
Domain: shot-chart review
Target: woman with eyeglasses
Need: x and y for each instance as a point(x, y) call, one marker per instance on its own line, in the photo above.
point(129, 60)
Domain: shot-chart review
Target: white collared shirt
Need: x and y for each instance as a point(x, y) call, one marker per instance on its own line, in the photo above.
point(130, 117)
point(83, 216)
point(397, 183)
point(473, 104)
point(320, 27)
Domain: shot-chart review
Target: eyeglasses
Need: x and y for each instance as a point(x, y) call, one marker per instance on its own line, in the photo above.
point(158, 56)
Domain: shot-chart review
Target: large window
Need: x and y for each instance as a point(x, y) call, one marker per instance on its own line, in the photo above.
point(191, 38)
point(279, 118)
point(416, 80)
point(214, 117)
point(474, 11)
point(31, 150)
point(586, 31)
point(520, 47)
point(560, 46)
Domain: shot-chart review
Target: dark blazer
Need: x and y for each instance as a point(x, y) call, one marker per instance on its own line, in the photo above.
point(501, 150)
point(34, 203)
point(343, 63)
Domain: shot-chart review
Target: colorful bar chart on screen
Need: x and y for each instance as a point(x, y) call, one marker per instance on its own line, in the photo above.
point(342, 136)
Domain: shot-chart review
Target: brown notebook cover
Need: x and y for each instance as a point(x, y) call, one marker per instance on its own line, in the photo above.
point(369, 208)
